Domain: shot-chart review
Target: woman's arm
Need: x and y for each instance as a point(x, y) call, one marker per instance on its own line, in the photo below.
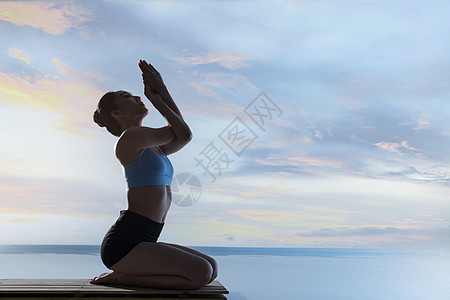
point(167, 98)
point(176, 123)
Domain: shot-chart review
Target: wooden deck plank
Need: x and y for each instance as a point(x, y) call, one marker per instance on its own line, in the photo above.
point(81, 288)
point(152, 297)
point(216, 297)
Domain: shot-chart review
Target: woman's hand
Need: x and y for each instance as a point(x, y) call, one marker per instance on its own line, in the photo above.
point(151, 77)
point(153, 96)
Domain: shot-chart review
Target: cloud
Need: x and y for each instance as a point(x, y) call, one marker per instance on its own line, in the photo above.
point(288, 218)
point(53, 18)
point(351, 231)
point(438, 174)
point(317, 162)
point(385, 234)
point(18, 53)
point(220, 93)
point(22, 219)
point(225, 60)
point(396, 147)
point(377, 236)
point(229, 237)
point(53, 228)
point(28, 195)
point(68, 93)
point(423, 121)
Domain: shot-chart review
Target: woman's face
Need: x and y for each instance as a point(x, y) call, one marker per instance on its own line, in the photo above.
point(130, 107)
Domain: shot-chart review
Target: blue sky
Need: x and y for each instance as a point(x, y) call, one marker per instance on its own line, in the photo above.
point(356, 157)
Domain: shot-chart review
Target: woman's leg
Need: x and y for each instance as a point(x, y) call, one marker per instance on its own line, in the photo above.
point(154, 281)
point(160, 266)
point(211, 260)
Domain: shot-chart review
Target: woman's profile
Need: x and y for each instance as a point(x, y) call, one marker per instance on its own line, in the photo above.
point(130, 247)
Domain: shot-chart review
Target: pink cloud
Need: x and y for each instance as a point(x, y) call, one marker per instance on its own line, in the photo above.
point(396, 147)
point(69, 94)
point(18, 53)
point(52, 18)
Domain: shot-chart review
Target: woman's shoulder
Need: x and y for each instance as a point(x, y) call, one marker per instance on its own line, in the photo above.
point(136, 139)
point(129, 133)
point(123, 148)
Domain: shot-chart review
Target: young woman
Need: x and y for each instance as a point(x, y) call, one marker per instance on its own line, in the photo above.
point(130, 247)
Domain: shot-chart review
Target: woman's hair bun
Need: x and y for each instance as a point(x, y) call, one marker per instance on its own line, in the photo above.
point(98, 118)
point(103, 117)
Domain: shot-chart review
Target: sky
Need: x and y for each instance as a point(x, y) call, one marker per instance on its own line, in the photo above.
point(315, 123)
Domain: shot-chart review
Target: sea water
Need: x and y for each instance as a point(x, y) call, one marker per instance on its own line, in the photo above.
point(268, 273)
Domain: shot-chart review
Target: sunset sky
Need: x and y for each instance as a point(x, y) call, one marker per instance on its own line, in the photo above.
point(354, 152)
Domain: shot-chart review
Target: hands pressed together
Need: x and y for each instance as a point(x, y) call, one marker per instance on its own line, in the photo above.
point(153, 82)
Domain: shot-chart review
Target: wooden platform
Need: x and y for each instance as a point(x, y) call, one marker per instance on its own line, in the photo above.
point(57, 289)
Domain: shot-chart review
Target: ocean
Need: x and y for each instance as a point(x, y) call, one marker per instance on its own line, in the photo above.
point(251, 273)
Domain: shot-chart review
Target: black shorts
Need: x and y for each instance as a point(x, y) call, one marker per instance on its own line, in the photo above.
point(129, 230)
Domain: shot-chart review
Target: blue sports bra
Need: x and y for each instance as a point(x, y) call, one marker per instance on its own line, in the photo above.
point(151, 168)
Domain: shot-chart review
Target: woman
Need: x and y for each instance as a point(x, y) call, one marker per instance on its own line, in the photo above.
point(130, 247)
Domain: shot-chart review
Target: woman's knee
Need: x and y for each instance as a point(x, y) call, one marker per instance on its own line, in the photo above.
point(202, 274)
point(213, 263)
point(215, 270)
point(211, 260)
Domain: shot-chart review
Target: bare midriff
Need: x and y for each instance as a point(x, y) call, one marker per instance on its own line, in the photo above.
point(152, 201)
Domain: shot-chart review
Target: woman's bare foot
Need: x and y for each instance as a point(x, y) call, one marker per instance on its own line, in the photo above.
point(104, 278)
